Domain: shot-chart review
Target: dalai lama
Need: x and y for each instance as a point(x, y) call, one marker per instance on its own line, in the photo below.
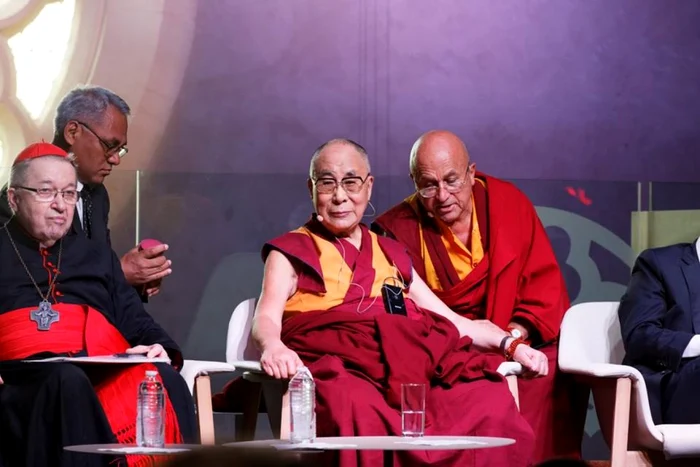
point(479, 245)
point(323, 303)
point(62, 294)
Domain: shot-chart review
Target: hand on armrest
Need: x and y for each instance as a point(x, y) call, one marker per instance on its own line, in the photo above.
point(280, 361)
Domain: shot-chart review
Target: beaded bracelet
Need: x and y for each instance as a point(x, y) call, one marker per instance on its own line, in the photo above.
point(511, 348)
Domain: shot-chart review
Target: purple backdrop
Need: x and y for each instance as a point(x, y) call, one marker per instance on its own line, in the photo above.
point(562, 90)
point(574, 89)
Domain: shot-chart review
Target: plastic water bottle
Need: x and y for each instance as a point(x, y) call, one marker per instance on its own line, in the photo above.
point(150, 412)
point(302, 395)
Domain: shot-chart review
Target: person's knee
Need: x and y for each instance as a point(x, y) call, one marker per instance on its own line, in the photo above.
point(505, 415)
point(69, 378)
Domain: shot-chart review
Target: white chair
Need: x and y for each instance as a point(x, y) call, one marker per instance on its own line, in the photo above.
point(241, 354)
point(591, 347)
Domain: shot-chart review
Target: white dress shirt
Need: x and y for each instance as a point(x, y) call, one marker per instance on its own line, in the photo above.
point(79, 204)
point(693, 348)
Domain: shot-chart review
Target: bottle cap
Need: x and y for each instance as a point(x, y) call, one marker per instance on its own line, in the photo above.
point(151, 373)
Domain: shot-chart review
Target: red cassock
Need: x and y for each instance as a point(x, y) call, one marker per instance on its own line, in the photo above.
point(95, 313)
point(84, 330)
point(515, 277)
point(359, 355)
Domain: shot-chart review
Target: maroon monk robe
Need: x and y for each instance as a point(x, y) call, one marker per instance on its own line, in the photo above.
point(518, 278)
point(359, 361)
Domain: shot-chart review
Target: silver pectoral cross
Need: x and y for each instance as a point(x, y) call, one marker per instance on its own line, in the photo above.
point(44, 316)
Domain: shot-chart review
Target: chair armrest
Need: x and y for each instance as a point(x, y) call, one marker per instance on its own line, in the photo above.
point(510, 368)
point(248, 365)
point(191, 369)
point(602, 370)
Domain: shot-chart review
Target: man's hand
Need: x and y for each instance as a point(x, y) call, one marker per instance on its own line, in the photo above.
point(147, 266)
point(150, 351)
point(534, 361)
point(1, 381)
point(280, 361)
point(153, 288)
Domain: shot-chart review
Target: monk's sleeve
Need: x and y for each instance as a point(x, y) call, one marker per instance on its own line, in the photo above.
point(133, 321)
point(542, 299)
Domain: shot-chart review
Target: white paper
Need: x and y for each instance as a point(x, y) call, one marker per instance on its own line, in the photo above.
point(315, 445)
point(443, 442)
point(131, 359)
point(144, 450)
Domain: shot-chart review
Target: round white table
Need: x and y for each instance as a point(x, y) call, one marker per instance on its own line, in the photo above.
point(132, 449)
point(388, 444)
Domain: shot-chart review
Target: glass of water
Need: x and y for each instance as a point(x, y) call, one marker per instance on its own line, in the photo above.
point(412, 409)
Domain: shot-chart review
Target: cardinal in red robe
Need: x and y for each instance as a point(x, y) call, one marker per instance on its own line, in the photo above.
point(479, 245)
point(64, 295)
point(322, 306)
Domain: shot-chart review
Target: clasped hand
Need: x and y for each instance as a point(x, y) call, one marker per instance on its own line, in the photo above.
point(280, 361)
point(146, 267)
point(535, 362)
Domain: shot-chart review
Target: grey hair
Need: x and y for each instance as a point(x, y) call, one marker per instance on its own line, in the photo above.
point(86, 103)
point(18, 174)
point(317, 153)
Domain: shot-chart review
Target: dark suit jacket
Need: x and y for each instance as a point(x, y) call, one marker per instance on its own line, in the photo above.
point(659, 314)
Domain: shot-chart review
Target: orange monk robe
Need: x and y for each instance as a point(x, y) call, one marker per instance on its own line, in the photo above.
point(359, 354)
point(506, 272)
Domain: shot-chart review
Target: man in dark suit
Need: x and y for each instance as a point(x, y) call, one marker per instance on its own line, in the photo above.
point(91, 122)
point(660, 322)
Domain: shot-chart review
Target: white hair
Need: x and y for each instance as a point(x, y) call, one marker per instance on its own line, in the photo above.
point(317, 153)
point(18, 174)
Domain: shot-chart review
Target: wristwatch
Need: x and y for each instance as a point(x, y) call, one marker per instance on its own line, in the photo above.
point(517, 333)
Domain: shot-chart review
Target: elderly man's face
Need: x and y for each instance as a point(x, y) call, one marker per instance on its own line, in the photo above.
point(446, 177)
point(46, 218)
point(96, 144)
point(342, 189)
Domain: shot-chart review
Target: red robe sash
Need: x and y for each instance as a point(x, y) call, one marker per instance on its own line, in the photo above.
point(82, 328)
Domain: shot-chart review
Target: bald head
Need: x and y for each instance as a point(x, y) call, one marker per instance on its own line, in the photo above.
point(331, 144)
point(438, 145)
point(443, 176)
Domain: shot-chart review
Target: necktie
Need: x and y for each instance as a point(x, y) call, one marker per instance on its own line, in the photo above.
point(86, 195)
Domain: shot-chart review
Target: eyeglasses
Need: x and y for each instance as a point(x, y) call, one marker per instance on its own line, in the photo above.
point(110, 149)
point(47, 195)
point(328, 185)
point(451, 186)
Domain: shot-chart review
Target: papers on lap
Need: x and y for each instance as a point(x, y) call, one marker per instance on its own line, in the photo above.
point(118, 359)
